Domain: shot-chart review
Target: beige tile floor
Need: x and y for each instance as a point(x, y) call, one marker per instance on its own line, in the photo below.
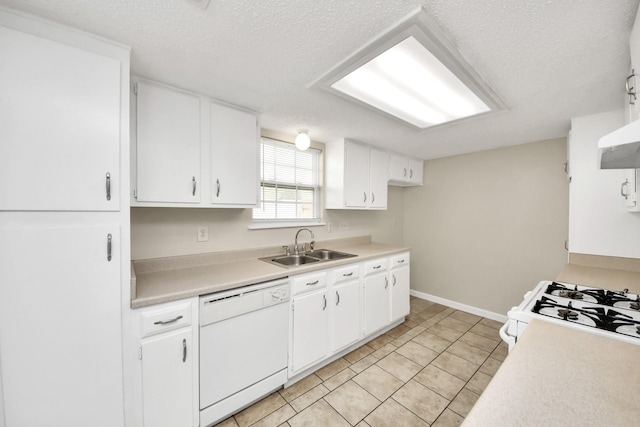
point(430, 370)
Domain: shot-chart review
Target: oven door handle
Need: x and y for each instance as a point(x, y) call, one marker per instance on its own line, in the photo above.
point(506, 336)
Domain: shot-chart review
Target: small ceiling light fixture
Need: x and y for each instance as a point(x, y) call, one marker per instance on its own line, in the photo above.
point(302, 140)
point(414, 74)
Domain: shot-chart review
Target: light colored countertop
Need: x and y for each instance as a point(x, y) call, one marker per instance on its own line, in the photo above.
point(158, 281)
point(561, 376)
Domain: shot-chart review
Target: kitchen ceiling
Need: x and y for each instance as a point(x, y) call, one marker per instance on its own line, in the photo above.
point(548, 60)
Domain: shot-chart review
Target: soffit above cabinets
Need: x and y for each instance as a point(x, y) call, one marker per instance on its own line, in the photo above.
point(548, 61)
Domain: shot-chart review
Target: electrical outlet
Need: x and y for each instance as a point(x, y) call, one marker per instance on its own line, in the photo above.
point(344, 226)
point(329, 227)
point(203, 234)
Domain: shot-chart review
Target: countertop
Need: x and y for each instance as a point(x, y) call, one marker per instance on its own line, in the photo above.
point(560, 376)
point(181, 279)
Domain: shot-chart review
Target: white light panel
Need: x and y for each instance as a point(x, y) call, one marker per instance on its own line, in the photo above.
point(410, 83)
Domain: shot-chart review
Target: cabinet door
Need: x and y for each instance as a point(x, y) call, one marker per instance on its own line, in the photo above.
point(310, 335)
point(346, 314)
point(379, 178)
point(356, 176)
point(376, 302)
point(167, 380)
point(399, 292)
point(168, 145)
point(59, 126)
point(234, 157)
point(398, 168)
point(60, 326)
point(416, 167)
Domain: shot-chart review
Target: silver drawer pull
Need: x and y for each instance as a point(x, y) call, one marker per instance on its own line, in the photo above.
point(218, 187)
point(347, 274)
point(386, 282)
point(193, 181)
point(109, 247)
point(400, 261)
point(337, 298)
point(325, 302)
point(184, 349)
point(166, 322)
point(313, 283)
point(377, 267)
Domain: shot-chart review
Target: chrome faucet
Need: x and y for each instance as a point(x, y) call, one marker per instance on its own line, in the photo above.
point(295, 243)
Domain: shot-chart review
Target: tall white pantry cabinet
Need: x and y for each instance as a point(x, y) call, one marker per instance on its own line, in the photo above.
point(64, 224)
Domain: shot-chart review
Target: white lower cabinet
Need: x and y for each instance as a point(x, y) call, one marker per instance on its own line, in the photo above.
point(376, 295)
point(169, 365)
point(309, 320)
point(400, 278)
point(167, 379)
point(334, 309)
point(345, 310)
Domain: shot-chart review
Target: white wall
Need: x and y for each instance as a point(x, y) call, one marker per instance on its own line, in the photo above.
point(488, 226)
point(600, 223)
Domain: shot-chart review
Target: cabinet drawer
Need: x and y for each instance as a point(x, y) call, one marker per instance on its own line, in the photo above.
point(158, 320)
point(308, 282)
point(400, 260)
point(349, 272)
point(376, 266)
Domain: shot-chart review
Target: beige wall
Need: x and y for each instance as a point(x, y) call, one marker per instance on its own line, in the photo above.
point(163, 232)
point(487, 226)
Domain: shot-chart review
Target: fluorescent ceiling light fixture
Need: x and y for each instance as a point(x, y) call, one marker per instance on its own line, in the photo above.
point(412, 73)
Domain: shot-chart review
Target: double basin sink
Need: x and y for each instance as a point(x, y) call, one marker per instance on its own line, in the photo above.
point(318, 255)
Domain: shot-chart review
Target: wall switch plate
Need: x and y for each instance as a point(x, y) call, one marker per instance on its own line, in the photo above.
point(344, 226)
point(329, 227)
point(203, 234)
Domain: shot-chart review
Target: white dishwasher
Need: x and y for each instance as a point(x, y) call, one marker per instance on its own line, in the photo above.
point(243, 347)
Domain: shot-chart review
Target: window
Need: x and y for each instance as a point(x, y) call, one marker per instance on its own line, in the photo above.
point(289, 183)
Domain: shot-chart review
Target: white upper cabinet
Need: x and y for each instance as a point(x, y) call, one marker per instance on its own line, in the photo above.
point(188, 151)
point(168, 145)
point(356, 176)
point(405, 171)
point(59, 126)
point(234, 157)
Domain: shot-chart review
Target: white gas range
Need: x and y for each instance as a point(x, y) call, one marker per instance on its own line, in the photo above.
point(614, 314)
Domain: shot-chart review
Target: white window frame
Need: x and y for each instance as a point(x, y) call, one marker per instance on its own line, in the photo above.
point(260, 223)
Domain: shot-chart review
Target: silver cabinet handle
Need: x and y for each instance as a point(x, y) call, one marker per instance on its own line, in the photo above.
point(184, 350)
point(313, 283)
point(108, 186)
point(377, 267)
point(386, 282)
point(405, 172)
point(365, 196)
point(622, 193)
point(193, 181)
point(166, 322)
point(109, 247)
point(217, 187)
point(566, 245)
point(410, 173)
point(631, 90)
point(347, 274)
point(337, 298)
point(394, 280)
point(400, 261)
point(373, 197)
point(325, 302)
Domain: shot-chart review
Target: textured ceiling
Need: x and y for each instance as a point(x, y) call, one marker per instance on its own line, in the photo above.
point(548, 60)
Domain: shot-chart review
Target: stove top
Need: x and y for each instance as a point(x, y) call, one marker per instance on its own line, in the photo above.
point(613, 311)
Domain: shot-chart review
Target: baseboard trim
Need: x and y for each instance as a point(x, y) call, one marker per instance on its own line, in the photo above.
point(459, 306)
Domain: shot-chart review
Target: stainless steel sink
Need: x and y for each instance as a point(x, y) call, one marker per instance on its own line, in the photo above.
point(292, 260)
point(318, 255)
point(327, 254)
